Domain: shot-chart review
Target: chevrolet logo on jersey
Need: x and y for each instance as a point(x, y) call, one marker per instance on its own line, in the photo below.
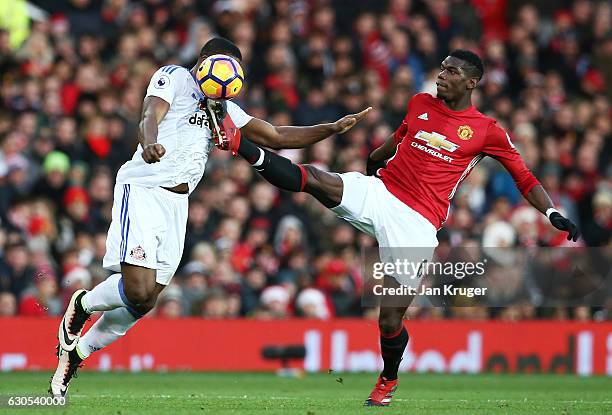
point(437, 141)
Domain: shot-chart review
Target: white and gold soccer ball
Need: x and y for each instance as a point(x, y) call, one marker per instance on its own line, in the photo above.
point(220, 77)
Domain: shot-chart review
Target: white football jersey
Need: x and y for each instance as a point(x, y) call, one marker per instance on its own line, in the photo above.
point(184, 132)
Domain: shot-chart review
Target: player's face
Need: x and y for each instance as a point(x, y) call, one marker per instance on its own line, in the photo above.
point(452, 81)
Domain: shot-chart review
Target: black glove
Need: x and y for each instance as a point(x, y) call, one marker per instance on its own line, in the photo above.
point(373, 166)
point(564, 224)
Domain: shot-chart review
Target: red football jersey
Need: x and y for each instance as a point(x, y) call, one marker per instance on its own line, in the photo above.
point(436, 150)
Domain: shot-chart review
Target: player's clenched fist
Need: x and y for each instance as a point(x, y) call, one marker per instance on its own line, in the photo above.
point(153, 152)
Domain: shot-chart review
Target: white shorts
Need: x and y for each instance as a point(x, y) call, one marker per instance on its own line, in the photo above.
point(147, 229)
point(371, 208)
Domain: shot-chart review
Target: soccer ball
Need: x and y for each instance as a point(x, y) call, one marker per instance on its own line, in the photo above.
point(220, 77)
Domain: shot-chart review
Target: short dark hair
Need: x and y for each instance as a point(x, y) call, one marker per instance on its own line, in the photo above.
point(475, 68)
point(220, 45)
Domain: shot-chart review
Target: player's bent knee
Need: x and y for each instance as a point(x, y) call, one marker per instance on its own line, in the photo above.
point(151, 299)
point(138, 284)
point(137, 294)
point(389, 327)
point(313, 180)
point(389, 322)
point(326, 187)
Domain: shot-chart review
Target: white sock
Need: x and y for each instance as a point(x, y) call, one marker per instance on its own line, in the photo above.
point(104, 296)
point(111, 326)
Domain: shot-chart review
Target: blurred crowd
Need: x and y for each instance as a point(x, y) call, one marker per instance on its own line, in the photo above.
point(73, 75)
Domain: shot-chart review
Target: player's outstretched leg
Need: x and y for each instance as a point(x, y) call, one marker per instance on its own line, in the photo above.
point(393, 341)
point(108, 295)
point(122, 306)
point(282, 173)
point(110, 327)
point(328, 189)
point(104, 296)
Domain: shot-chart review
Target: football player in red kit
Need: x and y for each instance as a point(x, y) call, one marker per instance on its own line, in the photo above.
point(412, 177)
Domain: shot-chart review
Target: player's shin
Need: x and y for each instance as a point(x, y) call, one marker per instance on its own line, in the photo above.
point(105, 296)
point(392, 348)
point(110, 327)
point(277, 170)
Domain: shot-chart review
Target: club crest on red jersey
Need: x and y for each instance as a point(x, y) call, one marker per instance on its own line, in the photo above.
point(465, 132)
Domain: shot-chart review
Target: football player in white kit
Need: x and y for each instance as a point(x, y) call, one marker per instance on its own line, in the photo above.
point(149, 215)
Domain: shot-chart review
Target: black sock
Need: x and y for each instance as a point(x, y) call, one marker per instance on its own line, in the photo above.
point(392, 350)
point(279, 171)
point(249, 151)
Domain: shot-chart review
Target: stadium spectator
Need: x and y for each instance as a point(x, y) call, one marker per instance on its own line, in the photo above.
point(274, 302)
point(76, 279)
point(8, 304)
point(43, 299)
point(341, 288)
point(194, 284)
point(311, 303)
point(19, 272)
point(170, 304)
point(215, 305)
point(169, 307)
point(253, 283)
point(597, 230)
point(53, 184)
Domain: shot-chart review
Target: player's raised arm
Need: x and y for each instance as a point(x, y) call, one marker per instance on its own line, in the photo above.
point(265, 134)
point(378, 157)
point(500, 147)
point(153, 112)
point(161, 93)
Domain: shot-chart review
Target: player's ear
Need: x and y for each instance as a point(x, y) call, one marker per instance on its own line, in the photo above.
point(471, 83)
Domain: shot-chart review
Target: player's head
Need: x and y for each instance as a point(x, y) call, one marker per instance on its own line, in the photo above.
point(220, 45)
point(459, 74)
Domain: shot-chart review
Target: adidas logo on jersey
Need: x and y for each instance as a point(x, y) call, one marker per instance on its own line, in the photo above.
point(199, 120)
point(423, 116)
